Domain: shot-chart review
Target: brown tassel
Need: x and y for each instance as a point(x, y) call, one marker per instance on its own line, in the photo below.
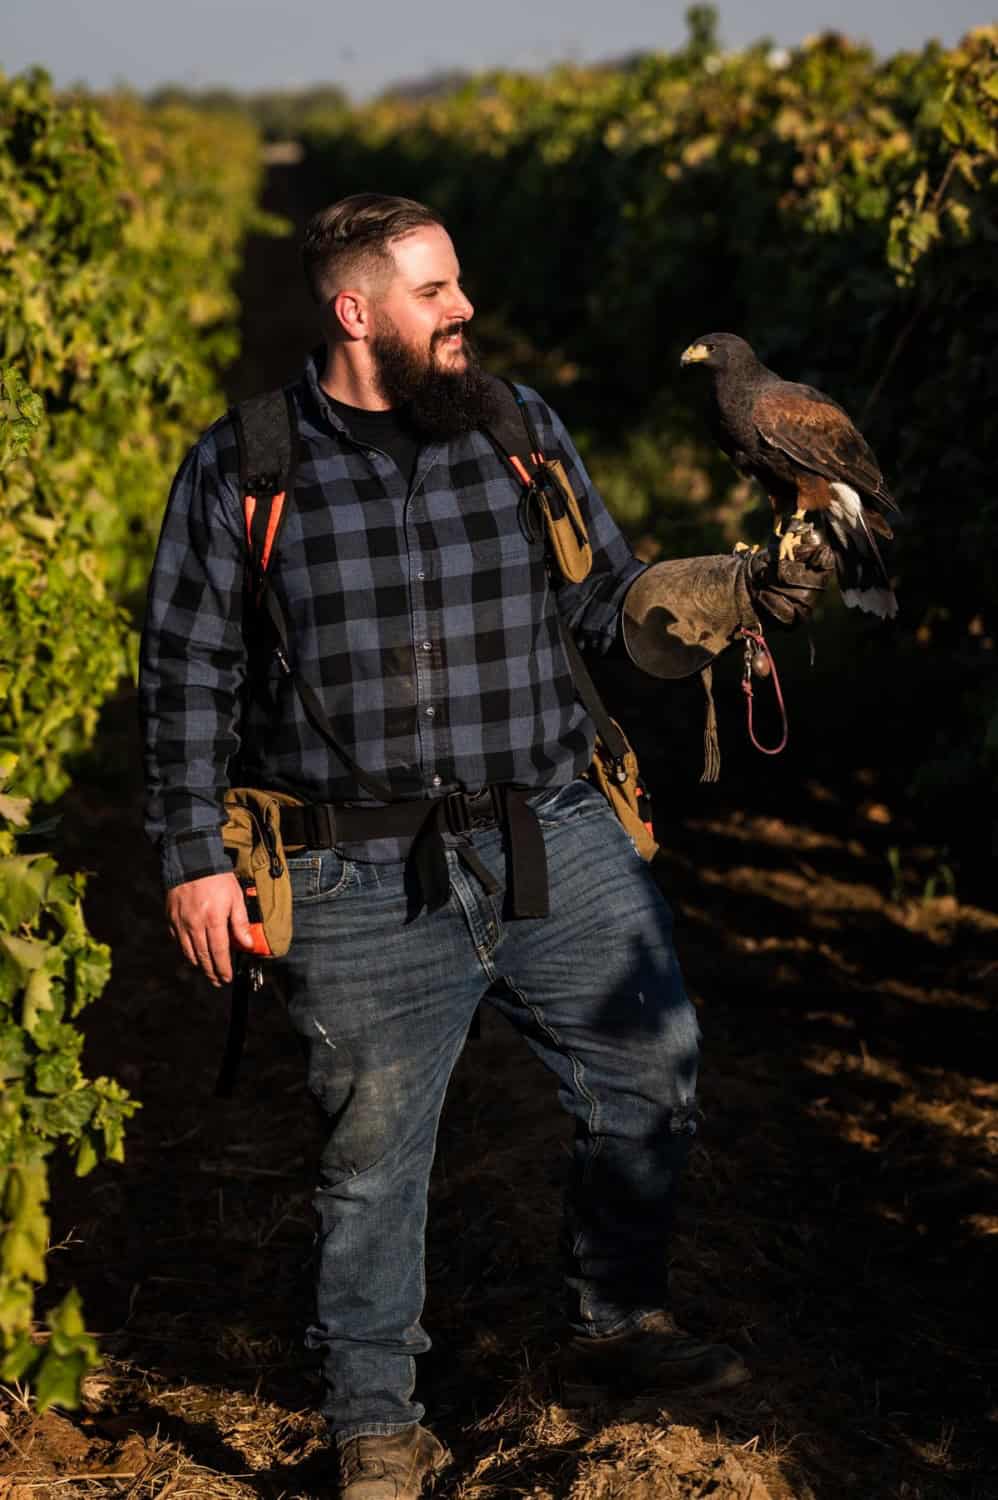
point(711, 743)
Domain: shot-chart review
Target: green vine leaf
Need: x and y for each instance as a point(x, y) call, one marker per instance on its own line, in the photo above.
point(120, 235)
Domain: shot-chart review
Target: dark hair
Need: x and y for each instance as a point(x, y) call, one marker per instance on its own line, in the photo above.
point(353, 236)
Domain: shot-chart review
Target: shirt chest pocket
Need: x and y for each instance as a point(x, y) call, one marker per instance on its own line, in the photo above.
point(512, 551)
point(508, 587)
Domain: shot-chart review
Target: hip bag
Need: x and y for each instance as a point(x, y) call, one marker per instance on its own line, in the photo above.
point(253, 841)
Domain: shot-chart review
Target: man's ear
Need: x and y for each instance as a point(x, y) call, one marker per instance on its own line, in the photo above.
point(350, 313)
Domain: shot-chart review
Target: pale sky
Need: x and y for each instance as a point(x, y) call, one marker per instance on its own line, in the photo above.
point(368, 44)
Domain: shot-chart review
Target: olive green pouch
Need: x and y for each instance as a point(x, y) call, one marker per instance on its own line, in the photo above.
point(252, 838)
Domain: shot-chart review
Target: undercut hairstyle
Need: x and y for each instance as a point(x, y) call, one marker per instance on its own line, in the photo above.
point(351, 239)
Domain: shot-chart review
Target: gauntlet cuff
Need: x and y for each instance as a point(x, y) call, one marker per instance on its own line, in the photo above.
point(677, 616)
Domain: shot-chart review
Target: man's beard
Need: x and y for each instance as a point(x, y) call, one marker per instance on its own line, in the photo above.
point(439, 403)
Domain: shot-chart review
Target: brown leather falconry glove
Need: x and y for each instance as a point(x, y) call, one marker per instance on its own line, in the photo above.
point(787, 588)
point(679, 615)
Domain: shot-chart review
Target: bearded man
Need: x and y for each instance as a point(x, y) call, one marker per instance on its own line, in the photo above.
point(423, 614)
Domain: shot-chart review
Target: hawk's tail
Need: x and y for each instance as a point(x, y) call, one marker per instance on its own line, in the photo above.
point(859, 558)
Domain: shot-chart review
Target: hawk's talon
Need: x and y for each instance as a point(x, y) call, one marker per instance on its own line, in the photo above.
point(741, 547)
point(788, 546)
point(790, 539)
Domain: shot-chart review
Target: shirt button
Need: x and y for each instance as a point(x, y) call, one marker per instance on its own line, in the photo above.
point(421, 577)
point(437, 781)
point(430, 711)
point(427, 645)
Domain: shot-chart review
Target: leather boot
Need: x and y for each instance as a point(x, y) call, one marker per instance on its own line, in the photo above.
point(390, 1466)
point(655, 1352)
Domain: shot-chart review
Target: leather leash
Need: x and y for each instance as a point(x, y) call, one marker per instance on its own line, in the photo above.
point(755, 642)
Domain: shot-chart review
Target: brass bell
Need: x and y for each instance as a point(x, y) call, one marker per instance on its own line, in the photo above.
point(760, 663)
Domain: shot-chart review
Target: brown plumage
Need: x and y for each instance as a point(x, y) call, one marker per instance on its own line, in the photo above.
point(809, 457)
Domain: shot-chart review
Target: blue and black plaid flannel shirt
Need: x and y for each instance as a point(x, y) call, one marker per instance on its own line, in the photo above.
point(426, 623)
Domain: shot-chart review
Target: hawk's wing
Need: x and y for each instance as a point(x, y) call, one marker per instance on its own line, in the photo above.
point(815, 432)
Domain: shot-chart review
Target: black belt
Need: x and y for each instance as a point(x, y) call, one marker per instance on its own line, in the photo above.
point(321, 825)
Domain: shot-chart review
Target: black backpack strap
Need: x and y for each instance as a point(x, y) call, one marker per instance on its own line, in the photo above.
point(310, 702)
point(267, 434)
point(607, 729)
point(514, 436)
point(550, 506)
point(511, 430)
point(266, 430)
point(244, 981)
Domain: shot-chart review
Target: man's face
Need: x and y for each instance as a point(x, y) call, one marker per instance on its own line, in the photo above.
point(423, 306)
point(422, 359)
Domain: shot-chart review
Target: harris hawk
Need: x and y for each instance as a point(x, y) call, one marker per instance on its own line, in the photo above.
point(811, 460)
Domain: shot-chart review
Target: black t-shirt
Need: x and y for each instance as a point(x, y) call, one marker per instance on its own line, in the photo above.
point(387, 430)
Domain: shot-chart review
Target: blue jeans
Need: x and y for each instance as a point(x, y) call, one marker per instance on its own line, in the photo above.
point(383, 1007)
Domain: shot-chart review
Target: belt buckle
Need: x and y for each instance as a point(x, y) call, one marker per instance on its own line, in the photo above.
point(487, 816)
point(456, 815)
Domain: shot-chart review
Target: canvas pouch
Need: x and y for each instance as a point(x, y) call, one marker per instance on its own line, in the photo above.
point(566, 530)
point(252, 838)
point(625, 797)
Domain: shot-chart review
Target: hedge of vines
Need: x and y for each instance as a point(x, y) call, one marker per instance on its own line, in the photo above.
point(839, 211)
point(119, 236)
point(120, 230)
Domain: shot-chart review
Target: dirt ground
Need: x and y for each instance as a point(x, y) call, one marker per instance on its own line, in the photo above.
point(839, 1225)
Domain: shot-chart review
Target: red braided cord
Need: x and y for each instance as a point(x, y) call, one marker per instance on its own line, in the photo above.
point(760, 641)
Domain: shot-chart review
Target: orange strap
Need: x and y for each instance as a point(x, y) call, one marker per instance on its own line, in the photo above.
point(273, 521)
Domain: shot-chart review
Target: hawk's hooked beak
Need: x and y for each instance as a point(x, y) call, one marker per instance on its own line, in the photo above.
point(694, 354)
